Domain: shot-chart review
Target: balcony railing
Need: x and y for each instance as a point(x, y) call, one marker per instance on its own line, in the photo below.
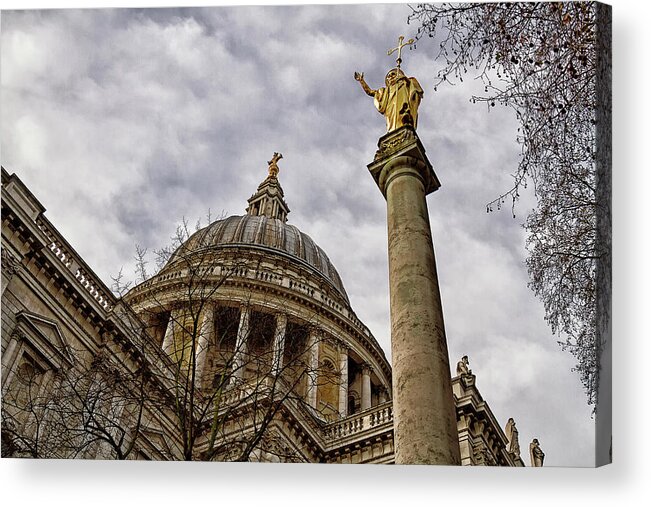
point(358, 423)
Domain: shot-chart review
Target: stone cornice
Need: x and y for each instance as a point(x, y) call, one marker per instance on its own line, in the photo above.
point(23, 215)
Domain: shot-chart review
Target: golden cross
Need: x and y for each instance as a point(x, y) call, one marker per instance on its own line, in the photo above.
point(399, 49)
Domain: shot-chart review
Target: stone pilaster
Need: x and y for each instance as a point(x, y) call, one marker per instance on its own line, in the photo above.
point(313, 367)
point(343, 380)
point(241, 348)
point(9, 359)
point(425, 425)
point(279, 343)
point(383, 395)
point(206, 337)
point(168, 339)
point(366, 386)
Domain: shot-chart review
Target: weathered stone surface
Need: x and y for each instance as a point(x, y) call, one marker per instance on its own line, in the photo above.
point(424, 415)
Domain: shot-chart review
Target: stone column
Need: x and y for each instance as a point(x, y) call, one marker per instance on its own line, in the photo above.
point(168, 339)
point(366, 386)
point(205, 338)
point(279, 343)
point(343, 380)
point(425, 426)
point(9, 360)
point(384, 395)
point(239, 358)
point(313, 367)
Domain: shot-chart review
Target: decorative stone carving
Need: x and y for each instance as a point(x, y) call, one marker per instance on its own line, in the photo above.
point(391, 144)
point(10, 266)
point(10, 263)
point(483, 457)
point(536, 454)
point(274, 449)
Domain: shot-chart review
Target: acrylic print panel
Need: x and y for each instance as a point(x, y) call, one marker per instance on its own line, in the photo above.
point(285, 191)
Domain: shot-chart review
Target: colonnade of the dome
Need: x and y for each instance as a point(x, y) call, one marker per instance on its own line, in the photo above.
point(242, 342)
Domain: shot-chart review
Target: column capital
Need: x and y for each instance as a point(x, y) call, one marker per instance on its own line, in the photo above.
point(402, 149)
point(342, 346)
point(316, 333)
point(367, 368)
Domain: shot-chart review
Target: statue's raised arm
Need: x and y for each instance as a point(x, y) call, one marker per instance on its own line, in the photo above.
point(369, 91)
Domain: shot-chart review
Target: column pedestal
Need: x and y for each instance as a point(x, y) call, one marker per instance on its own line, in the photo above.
point(425, 426)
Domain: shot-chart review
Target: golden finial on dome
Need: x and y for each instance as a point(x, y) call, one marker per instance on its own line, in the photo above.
point(273, 164)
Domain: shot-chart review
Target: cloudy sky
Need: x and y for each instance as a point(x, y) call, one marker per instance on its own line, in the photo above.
point(123, 121)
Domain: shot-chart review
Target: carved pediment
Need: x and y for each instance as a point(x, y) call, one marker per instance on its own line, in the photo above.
point(155, 442)
point(45, 336)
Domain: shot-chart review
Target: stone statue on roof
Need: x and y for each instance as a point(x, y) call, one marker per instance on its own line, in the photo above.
point(462, 367)
point(536, 454)
point(512, 436)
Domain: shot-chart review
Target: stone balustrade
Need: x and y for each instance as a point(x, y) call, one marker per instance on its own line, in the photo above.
point(373, 418)
point(89, 282)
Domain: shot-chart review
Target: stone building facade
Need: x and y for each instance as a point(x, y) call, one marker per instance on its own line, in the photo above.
point(244, 346)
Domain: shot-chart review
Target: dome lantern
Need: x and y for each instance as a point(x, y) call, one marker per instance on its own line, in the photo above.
point(269, 199)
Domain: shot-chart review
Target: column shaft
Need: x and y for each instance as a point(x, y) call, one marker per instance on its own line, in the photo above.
point(366, 387)
point(168, 340)
point(279, 343)
point(343, 379)
point(239, 357)
point(313, 369)
point(205, 338)
point(424, 413)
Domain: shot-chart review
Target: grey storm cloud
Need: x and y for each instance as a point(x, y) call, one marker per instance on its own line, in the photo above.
point(124, 121)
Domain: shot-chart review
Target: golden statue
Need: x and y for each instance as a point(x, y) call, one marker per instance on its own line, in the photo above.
point(400, 99)
point(273, 164)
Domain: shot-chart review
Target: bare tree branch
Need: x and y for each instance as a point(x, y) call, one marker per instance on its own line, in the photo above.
point(541, 59)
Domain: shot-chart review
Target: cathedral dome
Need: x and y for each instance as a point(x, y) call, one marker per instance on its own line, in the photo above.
point(264, 296)
point(265, 234)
